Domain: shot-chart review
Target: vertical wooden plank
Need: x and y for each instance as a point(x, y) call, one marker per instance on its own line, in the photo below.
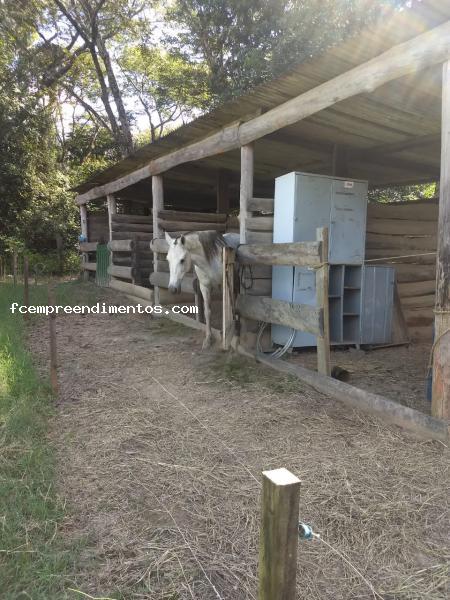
point(322, 276)
point(246, 188)
point(245, 194)
point(228, 297)
point(52, 331)
point(440, 405)
point(223, 191)
point(84, 222)
point(84, 233)
point(26, 286)
point(112, 210)
point(279, 535)
point(158, 204)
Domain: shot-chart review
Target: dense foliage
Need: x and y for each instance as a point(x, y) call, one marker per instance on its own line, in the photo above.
point(84, 82)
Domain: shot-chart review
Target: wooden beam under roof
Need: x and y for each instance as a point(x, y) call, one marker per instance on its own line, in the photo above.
point(430, 48)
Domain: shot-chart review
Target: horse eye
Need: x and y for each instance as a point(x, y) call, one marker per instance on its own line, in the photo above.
point(182, 261)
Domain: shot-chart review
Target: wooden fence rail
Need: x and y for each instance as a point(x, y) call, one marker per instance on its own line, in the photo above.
point(312, 319)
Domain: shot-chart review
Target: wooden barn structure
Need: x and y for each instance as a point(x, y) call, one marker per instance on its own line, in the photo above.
point(375, 107)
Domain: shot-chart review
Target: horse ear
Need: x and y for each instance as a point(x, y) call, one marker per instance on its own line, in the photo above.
point(169, 239)
point(182, 240)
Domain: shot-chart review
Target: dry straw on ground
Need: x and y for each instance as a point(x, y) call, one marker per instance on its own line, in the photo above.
point(168, 504)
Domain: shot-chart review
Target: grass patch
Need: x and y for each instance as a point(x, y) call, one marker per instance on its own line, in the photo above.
point(245, 372)
point(34, 560)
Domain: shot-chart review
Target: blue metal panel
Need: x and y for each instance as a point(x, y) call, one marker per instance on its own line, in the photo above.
point(377, 304)
point(347, 229)
point(285, 198)
point(312, 206)
point(304, 202)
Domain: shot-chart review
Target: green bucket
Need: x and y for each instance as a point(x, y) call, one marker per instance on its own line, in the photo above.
point(103, 259)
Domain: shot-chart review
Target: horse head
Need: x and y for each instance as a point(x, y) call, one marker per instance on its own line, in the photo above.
point(179, 259)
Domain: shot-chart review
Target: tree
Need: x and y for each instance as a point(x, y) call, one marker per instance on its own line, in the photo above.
point(245, 42)
point(168, 87)
point(67, 32)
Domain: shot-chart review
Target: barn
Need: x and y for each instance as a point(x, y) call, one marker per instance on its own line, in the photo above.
point(375, 108)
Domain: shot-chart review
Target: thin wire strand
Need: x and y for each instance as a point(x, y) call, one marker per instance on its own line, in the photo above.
point(404, 256)
point(208, 429)
point(349, 563)
point(180, 531)
point(315, 535)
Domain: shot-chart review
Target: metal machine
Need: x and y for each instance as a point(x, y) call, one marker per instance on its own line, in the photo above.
point(360, 297)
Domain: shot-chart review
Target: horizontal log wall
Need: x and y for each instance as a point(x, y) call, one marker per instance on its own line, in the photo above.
point(176, 222)
point(131, 258)
point(407, 229)
point(98, 228)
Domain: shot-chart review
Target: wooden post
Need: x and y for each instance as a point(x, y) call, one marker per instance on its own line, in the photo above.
point(52, 330)
point(158, 204)
point(440, 405)
point(246, 189)
point(83, 221)
point(84, 232)
point(322, 275)
point(228, 297)
point(26, 288)
point(112, 210)
point(279, 535)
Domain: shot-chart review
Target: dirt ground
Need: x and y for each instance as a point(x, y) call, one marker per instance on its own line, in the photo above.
point(398, 372)
point(160, 449)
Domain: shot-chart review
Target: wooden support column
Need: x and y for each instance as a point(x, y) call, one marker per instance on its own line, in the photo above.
point(84, 232)
point(279, 535)
point(158, 204)
point(228, 297)
point(322, 277)
point(112, 210)
point(246, 189)
point(440, 406)
point(84, 221)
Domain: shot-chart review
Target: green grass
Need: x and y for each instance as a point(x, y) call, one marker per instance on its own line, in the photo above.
point(245, 372)
point(35, 561)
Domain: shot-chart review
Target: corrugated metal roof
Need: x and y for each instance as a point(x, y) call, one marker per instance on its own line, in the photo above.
point(400, 110)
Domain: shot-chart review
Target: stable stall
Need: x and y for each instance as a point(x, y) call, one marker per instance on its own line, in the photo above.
point(375, 108)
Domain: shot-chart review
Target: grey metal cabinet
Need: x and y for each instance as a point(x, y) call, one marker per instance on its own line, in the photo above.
point(304, 202)
point(360, 297)
point(360, 304)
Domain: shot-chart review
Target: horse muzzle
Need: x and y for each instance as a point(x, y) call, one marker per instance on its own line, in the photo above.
point(175, 289)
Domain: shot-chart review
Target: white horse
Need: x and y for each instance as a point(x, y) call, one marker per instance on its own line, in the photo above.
point(203, 249)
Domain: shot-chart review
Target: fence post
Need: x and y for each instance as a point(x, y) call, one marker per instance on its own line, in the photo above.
point(322, 276)
point(228, 297)
point(26, 288)
point(279, 535)
point(52, 330)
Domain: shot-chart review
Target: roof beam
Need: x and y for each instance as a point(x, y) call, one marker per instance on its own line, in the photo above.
point(430, 48)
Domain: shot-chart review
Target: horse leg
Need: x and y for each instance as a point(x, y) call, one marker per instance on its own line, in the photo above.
point(206, 293)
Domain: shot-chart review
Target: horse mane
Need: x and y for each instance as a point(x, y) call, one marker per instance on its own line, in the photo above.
point(211, 242)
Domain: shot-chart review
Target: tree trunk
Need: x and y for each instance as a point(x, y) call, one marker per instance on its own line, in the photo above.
point(126, 137)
